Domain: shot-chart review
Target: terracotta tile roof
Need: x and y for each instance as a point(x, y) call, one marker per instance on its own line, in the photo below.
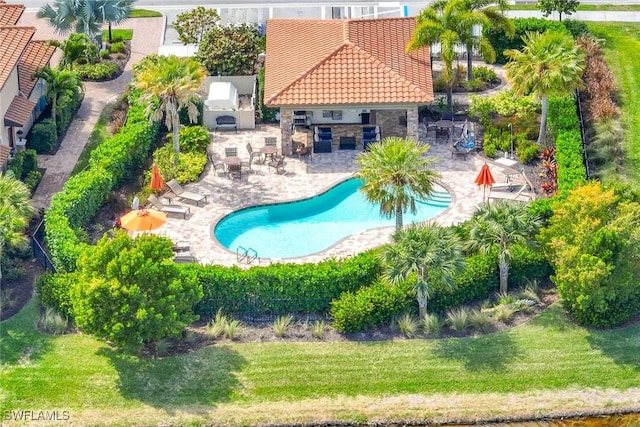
point(36, 55)
point(13, 42)
point(345, 62)
point(10, 13)
point(19, 111)
point(5, 151)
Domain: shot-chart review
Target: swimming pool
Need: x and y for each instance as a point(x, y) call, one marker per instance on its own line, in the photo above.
point(304, 227)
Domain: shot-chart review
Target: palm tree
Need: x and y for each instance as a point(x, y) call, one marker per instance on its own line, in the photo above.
point(430, 252)
point(59, 82)
point(498, 226)
point(396, 172)
point(77, 48)
point(85, 16)
point(484, 13)
point(442, 22)
point(549, 64)
point(173, 82)
point(15, 213)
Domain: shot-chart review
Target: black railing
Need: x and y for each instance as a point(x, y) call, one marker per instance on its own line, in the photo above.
point(38, 248)
point(585, 156)
point(262, 310)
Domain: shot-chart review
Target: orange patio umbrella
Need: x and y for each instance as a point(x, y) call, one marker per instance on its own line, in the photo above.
point(143, 220)
point(485, 179)
point(156, 179)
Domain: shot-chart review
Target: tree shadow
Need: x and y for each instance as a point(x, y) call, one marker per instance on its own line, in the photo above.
point(204, 377)
point(20, 341)
point(621, 345)
point(493, 352)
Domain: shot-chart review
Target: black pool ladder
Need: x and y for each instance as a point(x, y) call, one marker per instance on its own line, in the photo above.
point(246, 255)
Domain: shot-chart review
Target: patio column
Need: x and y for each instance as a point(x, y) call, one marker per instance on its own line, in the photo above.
point(412, 123)
point(286, 129)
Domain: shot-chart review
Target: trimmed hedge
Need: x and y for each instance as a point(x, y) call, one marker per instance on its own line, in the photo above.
point(66, 108)
point(282, 288)
point(54, 291)
point(85, 192)
point(43, 136)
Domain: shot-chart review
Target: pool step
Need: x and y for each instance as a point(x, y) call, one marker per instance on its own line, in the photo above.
point(439, 199)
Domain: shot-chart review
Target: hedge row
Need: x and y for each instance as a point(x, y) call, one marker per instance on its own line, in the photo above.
point(379, 303)
point(565, 127)
point(280, 289)
point(85, 192)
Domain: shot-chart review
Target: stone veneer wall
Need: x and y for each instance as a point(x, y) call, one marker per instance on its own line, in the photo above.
point(286, 122)
point(392, 122)
point(413, 123)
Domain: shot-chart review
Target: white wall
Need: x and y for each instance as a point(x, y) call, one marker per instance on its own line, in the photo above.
point(348, 116)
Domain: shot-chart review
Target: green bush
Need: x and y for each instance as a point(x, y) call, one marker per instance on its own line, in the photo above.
point(33, 179)
point(98, 72)
point(117, 47)
point(370, 306)
point(67, 106)
point(184, 113)
point(192, 139)
point(188, 169)
point(527, 151)
point(576, 28)
point(54, 291)
point(485, 74)
point(267, 114)
point(43, 137)
point(475, 85)
point(565, 127)
point(104, 54)
point(439, 84)
point(489, 150)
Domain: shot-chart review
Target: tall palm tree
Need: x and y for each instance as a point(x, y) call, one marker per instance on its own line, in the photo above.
point(173, 82)
point(15, 213)
point(78, 47)
point(549, 64)
point(396, 172)
point(443, 22)
point(59, 82)
point(487, 13)
point(498, 226)
point(428, 252)
point(115, 11)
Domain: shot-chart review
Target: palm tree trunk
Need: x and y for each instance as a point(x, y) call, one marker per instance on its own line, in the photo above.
point(110, 38)
point(54, 101)
point(559, 16)
point(398, 217)
point(176, 136)
point(542, 136)
point(469, 62)
point(504, 272)
point(450, 98)
point(422, 302)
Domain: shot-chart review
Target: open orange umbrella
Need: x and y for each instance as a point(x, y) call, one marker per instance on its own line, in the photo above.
point(143, 220)
point(156, 179)
point(485, 179)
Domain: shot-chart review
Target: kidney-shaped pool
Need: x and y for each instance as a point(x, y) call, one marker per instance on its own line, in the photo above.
point(304, 227)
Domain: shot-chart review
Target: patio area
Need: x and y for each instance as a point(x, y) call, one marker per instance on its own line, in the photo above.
point(304, 178)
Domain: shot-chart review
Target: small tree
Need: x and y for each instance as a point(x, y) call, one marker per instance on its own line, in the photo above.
point(429, 253)
point(15, 213)
point(561, 6)
point(59, 83)
point(230, 51)
point(193, 25)
point(78, 48)
point(131, 293)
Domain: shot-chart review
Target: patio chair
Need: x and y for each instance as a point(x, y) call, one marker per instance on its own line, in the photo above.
point(217, 166)
point(277, 164)
point(447, 115)
point(185, 258)
point(185, 195)
point(253, 154)
point(177, 209)
point(231, 151)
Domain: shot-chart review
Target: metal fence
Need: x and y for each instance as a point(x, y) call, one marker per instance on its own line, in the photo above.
point(257, 310)
point(38, 248)
point(585, 156)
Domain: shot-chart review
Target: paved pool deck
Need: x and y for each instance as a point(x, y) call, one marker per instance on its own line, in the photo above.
point(304, 178)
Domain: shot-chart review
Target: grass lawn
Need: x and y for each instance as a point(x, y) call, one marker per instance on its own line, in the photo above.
point(144, 13)
point(620, 40)
point(548, 361)
point(596, 7)
point(124, 34)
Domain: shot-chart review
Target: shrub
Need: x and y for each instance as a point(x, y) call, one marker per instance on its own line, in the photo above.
point(318, 328)
point(503, 312)
point(480, 320)
point(281, 325)
point(527, 151)
point(53, 322)
point(117, 47)
point(188, 169)
point(193, 138)
point(67, 107)
point(475, 85)
point(54, 291)
point(32, 180)
point(100, 71)
point(104, 54)
point(485, 74)
point(577, 28)
point(458, 318)
point(267, 114)
point(216, 327)
point(407, 325)
point(431, 324)
point(439, 84)
point(489, 150)
point(232, 328)
point(44, 137)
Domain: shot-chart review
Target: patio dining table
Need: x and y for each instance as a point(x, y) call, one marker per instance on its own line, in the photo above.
point(268, 150)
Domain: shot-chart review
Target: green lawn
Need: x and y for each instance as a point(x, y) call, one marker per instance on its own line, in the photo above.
point(248, 382)
point(620, 40)
point(144, 13)
point(587, 7)
point(124, 34)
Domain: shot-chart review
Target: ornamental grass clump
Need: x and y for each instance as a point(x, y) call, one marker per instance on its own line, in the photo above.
point(407, 325)
point(432, 325)
point(281, 325)
point(232, 328)
point(53, 322)
point(216, 327)
point(503, 313)
point(458, 319)
point(480, 321)
point(318, 329)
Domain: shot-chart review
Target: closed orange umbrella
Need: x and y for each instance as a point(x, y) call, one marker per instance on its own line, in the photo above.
point(156, 179)
point(485, 179)
point(143, 220)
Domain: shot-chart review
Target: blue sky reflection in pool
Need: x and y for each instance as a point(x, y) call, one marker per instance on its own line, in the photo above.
point(304, 227)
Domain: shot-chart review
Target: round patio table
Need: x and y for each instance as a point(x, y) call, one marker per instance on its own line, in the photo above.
point(444, 124)
point(268, 150)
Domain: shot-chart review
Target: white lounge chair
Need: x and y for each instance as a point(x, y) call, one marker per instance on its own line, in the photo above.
point(186, 195)
point(177, 209)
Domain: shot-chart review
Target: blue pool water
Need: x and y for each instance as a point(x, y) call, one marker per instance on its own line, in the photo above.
point(304, 227)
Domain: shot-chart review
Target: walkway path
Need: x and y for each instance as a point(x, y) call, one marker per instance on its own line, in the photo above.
point(147, 36)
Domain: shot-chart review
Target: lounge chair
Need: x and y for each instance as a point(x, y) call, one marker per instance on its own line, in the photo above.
point(185, 258)
point(185, 195)
point(177, 209)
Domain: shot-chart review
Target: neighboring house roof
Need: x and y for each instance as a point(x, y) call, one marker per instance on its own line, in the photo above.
point(10, 13)
point(5, 152)
point(345, 62)
point(13, 42)
point(36, 55)
point(19, 111)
